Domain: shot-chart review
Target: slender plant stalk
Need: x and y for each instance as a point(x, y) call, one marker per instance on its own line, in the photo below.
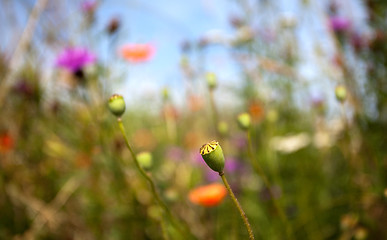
point(170, 123)
point(257, 167)
point(164, 229)
point(21, 47)
point(214, 111)
point(238, 205)
point(151, 183)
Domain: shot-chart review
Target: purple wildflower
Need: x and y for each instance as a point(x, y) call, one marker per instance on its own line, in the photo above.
point(232, 165)
point(276, 193)
point(318, 102)
point(317, 99)
point(23, 87)
point(359, 41)
point(89, 5)
point(239, 141)
point(339, 24)
point(175, 153)
point(196, 158)
point(75, 58)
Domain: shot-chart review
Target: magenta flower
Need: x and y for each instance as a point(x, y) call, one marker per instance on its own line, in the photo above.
point(339, 24)
point(89, 5)
point(75, 58)
point(175, 153)
point(276, 193)
point(239, 141)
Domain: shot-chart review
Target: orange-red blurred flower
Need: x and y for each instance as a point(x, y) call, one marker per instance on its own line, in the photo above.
point(208, 195)
point(136, 52)
point(83, 160)
point(256, 111)
point(145, 139)
point(169, 111)
point(195, 103)
point(6, 142)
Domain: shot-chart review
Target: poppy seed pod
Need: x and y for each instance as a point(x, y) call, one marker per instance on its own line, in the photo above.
point(211, 80)
point(341, 93)
point(212, 154)
point(116, 105)
point(165, 93)
point(145, 160)
point(223, 128)
point(244, 121)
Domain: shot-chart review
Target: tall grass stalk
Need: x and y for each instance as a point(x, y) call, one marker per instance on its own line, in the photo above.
point(257, 167)
point(183, 230)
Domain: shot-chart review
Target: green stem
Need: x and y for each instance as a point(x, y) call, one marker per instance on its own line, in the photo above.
point(170, 123)
point(237, 204)
point(150, 181)
point(257, 167)
point(164, 229)
point(214, 111)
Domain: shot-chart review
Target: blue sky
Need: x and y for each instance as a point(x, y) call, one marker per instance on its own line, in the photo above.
point(170, 22)
point(166, 24)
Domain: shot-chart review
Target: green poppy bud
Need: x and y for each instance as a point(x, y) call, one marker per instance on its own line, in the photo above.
point(165, 93)
point(211, 80)
point(223, 128)
point(116, 105)
point(212, 154)
point(272, 116)
point(155, 212)
point(145, 160)
point(244, 121)
point(341, 93)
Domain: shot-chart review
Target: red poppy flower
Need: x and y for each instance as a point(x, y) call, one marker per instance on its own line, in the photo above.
point(137, 52)
point(208, 195)
point(256, 111)
point(6, 142)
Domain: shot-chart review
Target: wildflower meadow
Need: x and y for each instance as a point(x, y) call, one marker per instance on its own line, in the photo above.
point(182, 120)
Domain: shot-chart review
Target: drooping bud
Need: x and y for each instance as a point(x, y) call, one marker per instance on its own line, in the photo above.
point(145, 160)
point(116, 105)
point(211, 80)
point(341, 93)
point(212, 154)
point(244, 121)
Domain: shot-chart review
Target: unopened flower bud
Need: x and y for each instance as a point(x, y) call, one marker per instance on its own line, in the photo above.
point(145, 160)
point(361, 233)
point(341, 93)
point(165, 93)
point(244, 121)
point(113, 25)
point(212, 154)
point(116, 105)
point(211, 80)
point(272, 116)
point(223, 128)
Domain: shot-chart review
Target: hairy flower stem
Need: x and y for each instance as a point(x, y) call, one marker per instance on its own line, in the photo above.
point(238, 205)
point(151, 183)
point(257, 167)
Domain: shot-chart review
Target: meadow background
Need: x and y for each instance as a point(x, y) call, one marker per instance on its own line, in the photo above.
point(309, 75)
